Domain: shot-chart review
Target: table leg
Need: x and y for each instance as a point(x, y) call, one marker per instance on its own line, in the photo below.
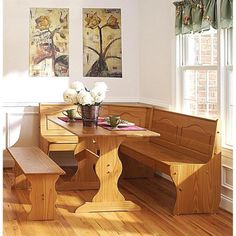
point(108, 169)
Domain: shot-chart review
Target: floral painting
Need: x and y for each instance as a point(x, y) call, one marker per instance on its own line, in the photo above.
point(102, 43)
point(49, 42)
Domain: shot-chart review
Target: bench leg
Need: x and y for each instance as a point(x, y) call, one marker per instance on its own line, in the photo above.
point(197, 187)
point(42, 196)
point(20, 181)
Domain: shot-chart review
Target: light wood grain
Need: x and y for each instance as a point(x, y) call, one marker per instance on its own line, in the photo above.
point(108, 169)
point(197, 187)
point(52, 137)
point(42, 173)
point(187, 143)
point(85, 176)
point(193, 136)
point(103, 206)
point(138, 114)
point(55, 138)
point(42, 196)
point(20, 181)
point(188, 151)
point(153, 195)
point(78, 129)
point(108, 166)
point(34, 161)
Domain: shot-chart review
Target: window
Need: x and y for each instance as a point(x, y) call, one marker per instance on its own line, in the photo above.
point(199, 73)
point(202, 70)
point(200, 92)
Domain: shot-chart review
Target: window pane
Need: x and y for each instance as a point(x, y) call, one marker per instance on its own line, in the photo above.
point(229, 46)
point(200, 92)
point(201, 49)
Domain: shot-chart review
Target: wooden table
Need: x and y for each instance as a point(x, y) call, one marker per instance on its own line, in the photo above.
point(108, 166)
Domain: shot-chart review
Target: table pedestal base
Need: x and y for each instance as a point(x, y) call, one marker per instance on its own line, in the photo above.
point(106, 168)
point(107, 206)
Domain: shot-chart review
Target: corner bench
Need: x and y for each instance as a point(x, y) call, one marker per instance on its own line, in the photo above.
point(52, 137)
point(188, 151)
point(42, 173)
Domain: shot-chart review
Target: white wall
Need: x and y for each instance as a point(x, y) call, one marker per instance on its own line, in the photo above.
point(148, 43)
point(19, 87)
point(157, 52)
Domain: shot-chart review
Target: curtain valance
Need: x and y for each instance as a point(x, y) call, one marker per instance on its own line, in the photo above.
point(198, 15)
point(226, 14)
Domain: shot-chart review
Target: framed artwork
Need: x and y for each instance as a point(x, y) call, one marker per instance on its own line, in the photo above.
point(49, 42)
point(102, 52)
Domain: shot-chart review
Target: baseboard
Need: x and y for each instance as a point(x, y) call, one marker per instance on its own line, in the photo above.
point(226, 203)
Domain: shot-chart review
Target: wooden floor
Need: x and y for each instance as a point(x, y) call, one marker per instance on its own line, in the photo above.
point(154, 196)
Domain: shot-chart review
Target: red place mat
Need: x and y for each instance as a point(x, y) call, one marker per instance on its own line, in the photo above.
point(124, 128)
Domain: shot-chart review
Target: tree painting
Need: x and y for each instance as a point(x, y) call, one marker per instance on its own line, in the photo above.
point(102, 42)
point(49, 42)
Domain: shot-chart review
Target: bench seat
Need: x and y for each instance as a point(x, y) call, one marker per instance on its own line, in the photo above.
point(157, 154)
point(42, 173)
point(61, 139)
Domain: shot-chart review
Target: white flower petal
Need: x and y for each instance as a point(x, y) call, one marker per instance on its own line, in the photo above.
point(77, 85)
point(70, 96)
point(77, 94)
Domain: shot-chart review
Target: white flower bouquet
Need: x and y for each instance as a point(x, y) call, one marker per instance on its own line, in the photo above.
point(79, 95)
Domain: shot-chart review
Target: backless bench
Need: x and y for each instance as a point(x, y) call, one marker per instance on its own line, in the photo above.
point(42, 173)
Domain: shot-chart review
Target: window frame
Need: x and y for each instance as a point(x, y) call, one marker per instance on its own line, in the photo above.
point(224, 65)
point(227, 88)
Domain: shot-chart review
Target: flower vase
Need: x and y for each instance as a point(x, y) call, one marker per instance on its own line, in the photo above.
point(90, 115)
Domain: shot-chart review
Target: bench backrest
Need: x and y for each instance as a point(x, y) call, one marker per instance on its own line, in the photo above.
point(138, 114)
point(47, 127)
point(32, 160)
point(189, 135)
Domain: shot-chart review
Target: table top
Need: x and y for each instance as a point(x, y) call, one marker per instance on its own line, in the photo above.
point(78, 129)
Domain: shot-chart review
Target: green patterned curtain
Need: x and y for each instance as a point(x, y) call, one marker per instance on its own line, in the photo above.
point(198, 15)
point(226, 14)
